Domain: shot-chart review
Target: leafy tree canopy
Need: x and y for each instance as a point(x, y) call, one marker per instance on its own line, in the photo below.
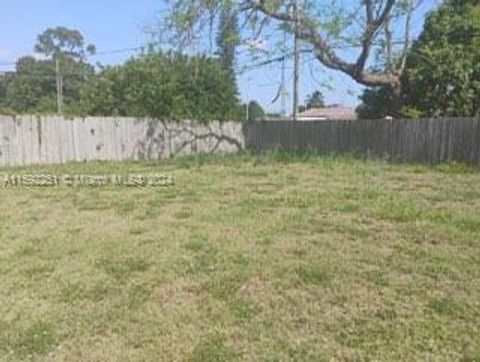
point(325, 28)
point(63, 41)
point(442, 76)
point(32, 87)
point(167, 86)
point(315, 100)
point(443, 69)
point(255, 112)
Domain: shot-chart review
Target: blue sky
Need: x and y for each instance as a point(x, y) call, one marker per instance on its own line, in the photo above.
point(120, 24)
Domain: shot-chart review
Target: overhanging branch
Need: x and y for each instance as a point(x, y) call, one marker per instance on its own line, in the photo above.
point(324, 52)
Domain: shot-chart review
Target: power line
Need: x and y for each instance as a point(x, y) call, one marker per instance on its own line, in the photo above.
point(332, 46)
point(102, 53)
point(116, 51)
point(296, 60)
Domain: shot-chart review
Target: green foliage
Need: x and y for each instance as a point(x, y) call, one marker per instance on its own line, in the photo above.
point(376, 103)
point(4, 81)
point(63, 41)
point(3, 87)
point(442, 77)
point(228, 37)
point(255, 112)
point(315, 100)
point(162, 86)
point(227, 42)
point(33, 86)
point(443, 69)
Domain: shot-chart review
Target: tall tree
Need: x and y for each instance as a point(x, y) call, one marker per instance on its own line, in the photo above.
point(442, 76)
point(377, 102)
point(251, 112)
point(228, 37)
point(163, 86)
point(315, 100)
point(33, 86)
point(325, 26)
point(69, 43)
point(443, 69)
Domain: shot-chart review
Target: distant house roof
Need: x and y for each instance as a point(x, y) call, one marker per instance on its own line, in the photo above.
point(332, 113)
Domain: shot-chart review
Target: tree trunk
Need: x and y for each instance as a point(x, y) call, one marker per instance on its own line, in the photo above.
point(397, 95)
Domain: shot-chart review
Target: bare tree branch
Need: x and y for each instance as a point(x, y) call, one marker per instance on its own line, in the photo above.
point(325, 53)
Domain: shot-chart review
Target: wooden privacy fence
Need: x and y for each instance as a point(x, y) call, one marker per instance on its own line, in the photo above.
point(28, 140)
point(413, 140)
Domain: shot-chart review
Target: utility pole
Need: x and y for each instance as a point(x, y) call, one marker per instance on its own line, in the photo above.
point(247, 103)
point(296, 72)
point(283, 90)
point(59, 85)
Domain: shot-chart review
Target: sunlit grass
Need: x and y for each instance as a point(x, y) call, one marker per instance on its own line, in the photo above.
point(275, 257)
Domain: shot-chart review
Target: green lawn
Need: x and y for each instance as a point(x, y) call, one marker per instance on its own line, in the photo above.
point(255, 258)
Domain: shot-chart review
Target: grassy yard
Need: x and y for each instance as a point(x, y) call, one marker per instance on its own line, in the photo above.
point(255, 258)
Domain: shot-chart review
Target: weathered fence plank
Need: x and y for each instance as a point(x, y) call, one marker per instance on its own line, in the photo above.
point(418, 140)
point(28, 140)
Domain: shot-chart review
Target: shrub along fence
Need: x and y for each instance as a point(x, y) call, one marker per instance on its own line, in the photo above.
point(28, 140)
point(409, 140)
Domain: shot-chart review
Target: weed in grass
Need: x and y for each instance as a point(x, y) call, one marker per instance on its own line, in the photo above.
point(122, 268)
point(438, 271)
point(100, 291)
point(72, 292)
point(469, 224)
point(470, 353)
point(183, 214)
point(205, 260)
point(313, 275)
point(225, 286)
point(125, 208)
point(197, 242)
point(138, 230)
point(28, 250)
point(138, 295)
point(377, 277)
point(154, 208)
point(39, 338)
point(213, 348)
point(386, 314)
point(38, 272)
point(308, 352)
point(399, 211)
point(93, 203)
point(267, 241)
point(239, 260)
point(456, 168)
point(443, 306)
point(348, 207)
